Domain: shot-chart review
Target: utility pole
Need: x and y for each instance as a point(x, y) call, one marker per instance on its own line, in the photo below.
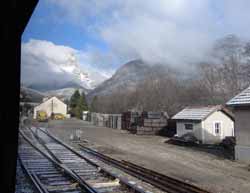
point(52, 106)
point(52, 109)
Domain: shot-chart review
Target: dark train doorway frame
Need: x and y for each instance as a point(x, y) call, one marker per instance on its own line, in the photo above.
point(15, 15)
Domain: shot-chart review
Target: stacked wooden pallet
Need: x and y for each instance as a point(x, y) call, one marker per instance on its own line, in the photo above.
point(129, 119)
point(145, 123)
point(125, 120)
point(151, 126)
point(151, 123)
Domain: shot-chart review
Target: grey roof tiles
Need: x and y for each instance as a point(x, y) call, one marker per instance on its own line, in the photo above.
point(196, 113)
point(242, 98)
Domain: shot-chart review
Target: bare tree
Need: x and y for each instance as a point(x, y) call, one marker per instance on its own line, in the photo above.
point(229, 52)
point(215, 81)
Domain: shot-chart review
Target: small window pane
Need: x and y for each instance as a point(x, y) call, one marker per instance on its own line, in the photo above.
point(189, 126)
point(217, 127)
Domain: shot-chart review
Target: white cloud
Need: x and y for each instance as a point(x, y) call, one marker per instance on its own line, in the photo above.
point(167, 31)
point(43, 62)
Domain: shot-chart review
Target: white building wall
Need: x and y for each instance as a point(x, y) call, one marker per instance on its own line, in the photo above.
point(227, 127)
point(180, 129)
point(58, 107)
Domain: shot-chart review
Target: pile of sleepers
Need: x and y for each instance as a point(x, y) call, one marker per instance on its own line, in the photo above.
point(141, 123)
point(151, 123)
point(144, 123)
point(129, 120)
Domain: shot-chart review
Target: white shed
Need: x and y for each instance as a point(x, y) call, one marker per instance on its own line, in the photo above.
point(209, 124)
point(50, 105)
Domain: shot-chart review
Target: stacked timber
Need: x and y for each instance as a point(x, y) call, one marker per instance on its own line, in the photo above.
point(125, 120)
point(152, 123)
point(145, 123)
point(129, 120)
point(151, 126)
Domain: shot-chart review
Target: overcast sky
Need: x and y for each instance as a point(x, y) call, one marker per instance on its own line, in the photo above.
point(105, 34)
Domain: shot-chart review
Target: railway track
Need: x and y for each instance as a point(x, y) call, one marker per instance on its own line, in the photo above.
point(55, 167)
point(47, 174)
point(163, 182)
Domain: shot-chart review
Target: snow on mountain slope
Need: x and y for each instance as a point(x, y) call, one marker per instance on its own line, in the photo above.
point(78, 75)
point(65, 93)
point(46, 66)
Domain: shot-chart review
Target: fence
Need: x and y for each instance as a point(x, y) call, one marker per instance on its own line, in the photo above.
point(105, 120)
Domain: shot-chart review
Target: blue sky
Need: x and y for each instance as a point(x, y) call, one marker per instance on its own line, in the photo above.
point(44, 25)
point(106, 34)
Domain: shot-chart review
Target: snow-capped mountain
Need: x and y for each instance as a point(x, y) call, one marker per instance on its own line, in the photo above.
point(58, 76)
point(46, 66)
point(65, 93)
point(85, 79)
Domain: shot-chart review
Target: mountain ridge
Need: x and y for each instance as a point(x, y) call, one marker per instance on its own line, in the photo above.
point(126, 77)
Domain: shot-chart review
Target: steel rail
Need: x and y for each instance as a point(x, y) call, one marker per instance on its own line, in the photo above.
point(63, 167)
point(42, 142)
point(159, 180)
point(162, 177)
point(39, 187)
point(121, 179)
point(140, 175)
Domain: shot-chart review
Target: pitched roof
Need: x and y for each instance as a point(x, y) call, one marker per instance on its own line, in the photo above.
point(199, 113)
point(242, 98)
point(49, 99)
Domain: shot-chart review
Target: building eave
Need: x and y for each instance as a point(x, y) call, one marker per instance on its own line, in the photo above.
point(188, 120)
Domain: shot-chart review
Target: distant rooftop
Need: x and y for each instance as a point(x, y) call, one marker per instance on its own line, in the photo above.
point(241, 99)
point(196, 113)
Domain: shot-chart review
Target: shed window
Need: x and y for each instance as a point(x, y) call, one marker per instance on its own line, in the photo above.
point(189, 126)
point(217, 128)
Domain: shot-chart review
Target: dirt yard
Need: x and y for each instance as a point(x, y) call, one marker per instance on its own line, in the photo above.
point(203, 169)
